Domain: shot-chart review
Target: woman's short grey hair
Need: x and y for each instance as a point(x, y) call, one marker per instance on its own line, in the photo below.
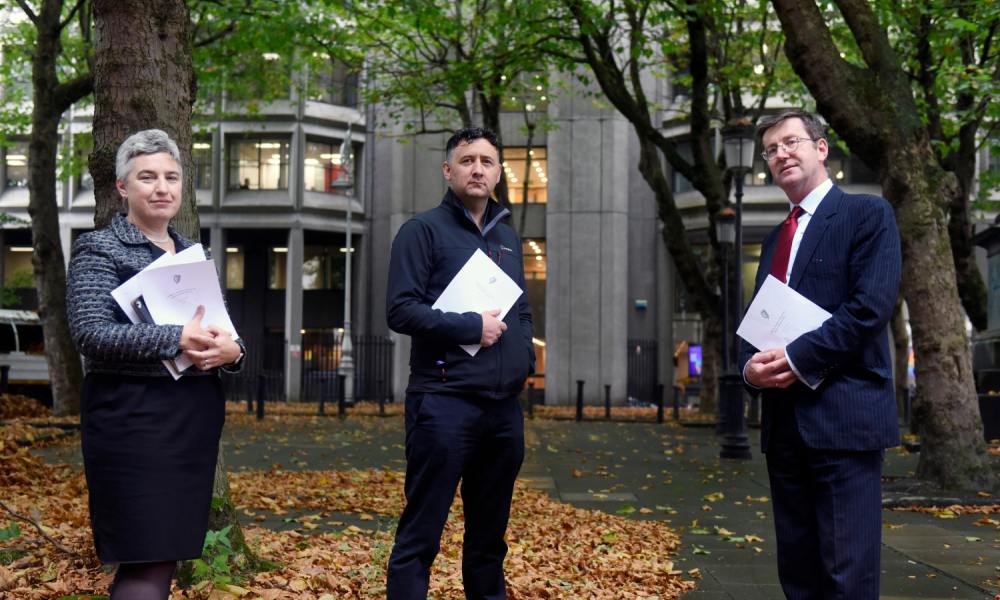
point(150, 141)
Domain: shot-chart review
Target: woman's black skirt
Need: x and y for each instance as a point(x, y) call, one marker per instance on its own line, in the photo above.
point(149, 449)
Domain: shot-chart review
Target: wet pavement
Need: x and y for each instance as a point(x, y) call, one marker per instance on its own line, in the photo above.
point(721, 507)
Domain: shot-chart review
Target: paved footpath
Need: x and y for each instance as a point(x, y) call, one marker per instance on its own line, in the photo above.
point(669, 469)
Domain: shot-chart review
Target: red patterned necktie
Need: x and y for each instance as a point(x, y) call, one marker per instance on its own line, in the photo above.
point(779, 268)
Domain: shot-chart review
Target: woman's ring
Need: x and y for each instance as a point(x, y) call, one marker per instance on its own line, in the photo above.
point(206, 362)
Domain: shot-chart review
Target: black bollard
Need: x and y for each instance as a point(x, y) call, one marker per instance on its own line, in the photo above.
point(381, 405)
point(579, 399)
point(677, 404)
point(4, 378)
point(322, 402)
point(342, 399)
point(607, 402)
point(659, 403)
point(531, 399)
point(261, 387)
point(246, 388)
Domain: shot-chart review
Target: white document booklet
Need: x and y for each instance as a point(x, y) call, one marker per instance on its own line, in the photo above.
point(130, 290)
point(479, 286)
point(779, 315)
point(173, 286)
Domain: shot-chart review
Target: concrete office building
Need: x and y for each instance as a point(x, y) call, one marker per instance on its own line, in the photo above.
point(605, 300)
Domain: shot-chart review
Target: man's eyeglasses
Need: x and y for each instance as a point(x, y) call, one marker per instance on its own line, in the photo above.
point(769, 154)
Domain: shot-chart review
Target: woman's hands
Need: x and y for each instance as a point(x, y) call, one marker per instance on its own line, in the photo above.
point(208, 348)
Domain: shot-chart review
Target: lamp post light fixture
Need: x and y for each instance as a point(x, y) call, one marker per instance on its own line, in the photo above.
point(344, 184)
point(739, 140)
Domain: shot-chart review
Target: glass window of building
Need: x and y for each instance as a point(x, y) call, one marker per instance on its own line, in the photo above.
point(18, 272)
point(258, 164)
point(323, 267)
point(535, 267)
point(234, 267)
point(534, 259)
point(203, 165)
point(84, 143)
point(517, 164)
point(277, 260)
point(322, 165)
point(16, 165)
point(334, 82)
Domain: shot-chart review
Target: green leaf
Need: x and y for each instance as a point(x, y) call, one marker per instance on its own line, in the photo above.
point(701, 551)
point(973, 539)
point(626, 509)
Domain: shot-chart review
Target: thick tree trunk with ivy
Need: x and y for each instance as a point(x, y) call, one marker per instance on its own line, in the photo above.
point(51, 100)
point(145, 80)
point(873, 110)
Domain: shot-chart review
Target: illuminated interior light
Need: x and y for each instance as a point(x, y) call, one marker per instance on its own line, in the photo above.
point(538, 342)
point(21, 249)
point(538, 258)
point(344, 250)
point(202, 146)
point(312, 161)
point(535, 164)
point(545, 179)
point(232, 249)
point(840, 175)
point(761, 175)
point(280, 249)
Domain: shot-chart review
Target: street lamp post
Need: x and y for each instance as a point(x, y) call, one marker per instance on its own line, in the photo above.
point(344, 184)
point(739, 140)
point(725, 233)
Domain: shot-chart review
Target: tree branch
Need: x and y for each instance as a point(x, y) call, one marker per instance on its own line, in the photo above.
point(39, 528)
point(69, 17)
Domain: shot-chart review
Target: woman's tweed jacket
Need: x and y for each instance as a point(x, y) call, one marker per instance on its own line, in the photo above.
point(101, 261)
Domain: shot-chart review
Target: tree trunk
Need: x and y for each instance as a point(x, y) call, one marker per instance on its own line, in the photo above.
point(901, 341)
point(491, 119)
point(527, 176)
point(711, 364)
point(51, 99)
point(143, 79)
point(873, 110)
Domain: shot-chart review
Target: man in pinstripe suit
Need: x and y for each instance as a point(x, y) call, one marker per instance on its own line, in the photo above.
point(829, 408)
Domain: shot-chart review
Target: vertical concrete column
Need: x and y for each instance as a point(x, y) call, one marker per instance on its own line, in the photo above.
point(66, 239)
point(587, 252)
point(217, 166)
point(293, 315)
point(219, 253)
point(665, 314)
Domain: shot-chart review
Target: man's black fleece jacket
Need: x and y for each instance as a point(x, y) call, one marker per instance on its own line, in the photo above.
point(427, 253)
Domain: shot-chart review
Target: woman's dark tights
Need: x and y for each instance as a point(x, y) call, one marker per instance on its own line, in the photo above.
point(143, 581)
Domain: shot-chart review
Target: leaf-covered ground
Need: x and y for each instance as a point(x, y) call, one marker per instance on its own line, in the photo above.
point(556, 550)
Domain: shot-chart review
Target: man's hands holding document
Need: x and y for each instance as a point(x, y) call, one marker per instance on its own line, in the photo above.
point(492, 327)
point(208, 348)
point(769, 369)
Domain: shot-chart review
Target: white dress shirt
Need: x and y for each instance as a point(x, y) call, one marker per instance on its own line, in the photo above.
point(809, 204)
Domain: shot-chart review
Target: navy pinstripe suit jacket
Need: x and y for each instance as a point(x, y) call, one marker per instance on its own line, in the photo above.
point(849, 263)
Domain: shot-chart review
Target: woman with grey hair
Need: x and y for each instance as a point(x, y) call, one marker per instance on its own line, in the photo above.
point(149, 442)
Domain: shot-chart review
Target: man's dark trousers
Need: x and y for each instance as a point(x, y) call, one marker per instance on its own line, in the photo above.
point(450, 438)
point(827, 515)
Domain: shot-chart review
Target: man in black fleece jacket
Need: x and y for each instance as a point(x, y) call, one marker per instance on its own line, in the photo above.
point(463, 418)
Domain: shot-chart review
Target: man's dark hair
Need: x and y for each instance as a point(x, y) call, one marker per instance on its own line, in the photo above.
point(468, 135)
point(812, 123)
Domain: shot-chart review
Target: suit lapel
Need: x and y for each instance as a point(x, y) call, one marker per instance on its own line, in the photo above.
point(814, 233)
